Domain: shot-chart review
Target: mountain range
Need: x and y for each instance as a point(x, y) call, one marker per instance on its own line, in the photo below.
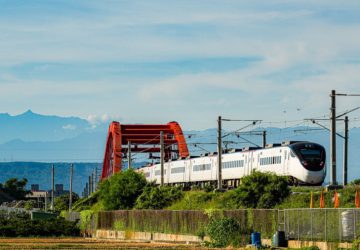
point(30, 143)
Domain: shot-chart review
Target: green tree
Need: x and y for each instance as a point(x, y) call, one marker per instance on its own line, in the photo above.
point(121, 190)
point(261, 190)
point(355, 182)
point(15, 188)
point(62, 202)
point(155, 197)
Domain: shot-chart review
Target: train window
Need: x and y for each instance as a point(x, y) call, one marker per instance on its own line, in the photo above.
point(178, 170)
point(203, 167)
point(158, 172)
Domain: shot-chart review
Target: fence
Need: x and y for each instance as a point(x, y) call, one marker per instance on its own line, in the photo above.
point(300, 224)
point(320, 224)
point(185, 222)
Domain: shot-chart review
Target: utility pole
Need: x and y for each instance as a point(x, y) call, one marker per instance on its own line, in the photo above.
point(46, 201)
point(333, 138)
point(264, 138)
point(90, 184)
point(129, 155)
point(71, 182)
point(162, 157)
point(96, 179)
point(219, 148)
point(87, 189)
point(346, 143)
point(52, 186)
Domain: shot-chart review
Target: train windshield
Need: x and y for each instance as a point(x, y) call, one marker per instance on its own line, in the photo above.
point(311, 155)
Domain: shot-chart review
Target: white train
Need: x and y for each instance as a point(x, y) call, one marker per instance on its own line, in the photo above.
point(302, 162)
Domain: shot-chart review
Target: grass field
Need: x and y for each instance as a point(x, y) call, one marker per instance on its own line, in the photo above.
point(83, 243)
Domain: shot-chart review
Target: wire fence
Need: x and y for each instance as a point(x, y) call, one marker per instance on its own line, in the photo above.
point(338, 225)
point(320, 224)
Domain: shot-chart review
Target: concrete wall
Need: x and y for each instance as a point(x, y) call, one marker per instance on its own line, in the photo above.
point(146, 236)
point(191, 239)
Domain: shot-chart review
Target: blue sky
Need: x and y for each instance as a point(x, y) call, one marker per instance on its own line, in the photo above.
point(190, 61)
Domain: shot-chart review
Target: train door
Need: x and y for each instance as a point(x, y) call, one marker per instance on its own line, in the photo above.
point(251, 161)
point(285, 162)
point(247, 164)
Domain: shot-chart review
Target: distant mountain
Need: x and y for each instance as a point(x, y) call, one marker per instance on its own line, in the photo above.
point(30, 126)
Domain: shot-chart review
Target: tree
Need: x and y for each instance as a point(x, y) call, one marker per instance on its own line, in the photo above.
point(16, 188)
point(261, 190)
point(121, 190)
point(62, 202)
point(154, 197)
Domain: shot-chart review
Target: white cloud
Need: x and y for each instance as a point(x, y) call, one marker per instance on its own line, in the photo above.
point(96, 120)
point(69, 127)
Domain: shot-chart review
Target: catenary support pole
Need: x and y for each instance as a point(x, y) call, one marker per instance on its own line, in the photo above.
point(90, 184)
point(87, 189)
point(345, 158)
point(333, 139)
point(129, 155)
point(264, 138)
point(71, 187)
point(46, 201)
point(96, 179)
point(219, 149)
point(52, 186)
point(162, 157)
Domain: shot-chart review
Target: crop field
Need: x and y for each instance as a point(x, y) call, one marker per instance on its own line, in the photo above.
point(83, 243)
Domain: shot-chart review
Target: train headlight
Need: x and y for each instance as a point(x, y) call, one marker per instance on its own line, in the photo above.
point(304, 163)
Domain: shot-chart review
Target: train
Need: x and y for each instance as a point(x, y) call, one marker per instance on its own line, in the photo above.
point(301, 161)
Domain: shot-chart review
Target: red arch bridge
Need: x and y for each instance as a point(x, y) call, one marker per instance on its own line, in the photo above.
point(142, 138)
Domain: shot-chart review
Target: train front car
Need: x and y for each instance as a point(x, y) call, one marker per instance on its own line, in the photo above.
point(308, 163)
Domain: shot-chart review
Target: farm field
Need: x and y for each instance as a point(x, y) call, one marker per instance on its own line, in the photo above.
point(82, 243)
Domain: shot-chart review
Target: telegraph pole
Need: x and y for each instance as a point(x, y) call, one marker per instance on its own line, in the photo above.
point(87, 190)
point(264, 138)
point(52, 186)
point(96, 179)
point(90, 185)
point(219, 148)
point(129, 155)
point(162, 157)
point(71, 180)
point(333, 139)
point(346, 143)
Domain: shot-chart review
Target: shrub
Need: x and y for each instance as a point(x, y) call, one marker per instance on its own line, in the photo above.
point(62, 202)
point(224, 232)
point(261, 190)
point(20, 224)
point(121, 190)
point(154, 197)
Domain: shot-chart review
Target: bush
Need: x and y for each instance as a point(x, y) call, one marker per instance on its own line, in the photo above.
point(154, 197)
point(62, 202)
point(20, 224)
point(224, 232)
point(121, 190)
point(261, 190)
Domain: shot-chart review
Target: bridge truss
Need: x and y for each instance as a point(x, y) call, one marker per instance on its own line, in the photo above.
point(143, 138)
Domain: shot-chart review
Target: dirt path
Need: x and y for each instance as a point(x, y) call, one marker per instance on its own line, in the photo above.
point(84, 243)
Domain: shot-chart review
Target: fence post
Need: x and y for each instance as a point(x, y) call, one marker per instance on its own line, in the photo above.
point(311, 223)
point(298, 224)
point(339, 225)
point(354, 216)
point(325, 225)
